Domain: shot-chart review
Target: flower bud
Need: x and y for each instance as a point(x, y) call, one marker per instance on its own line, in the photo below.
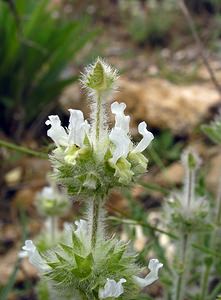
point(99, 77)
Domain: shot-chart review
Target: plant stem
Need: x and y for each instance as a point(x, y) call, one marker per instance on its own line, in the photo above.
point(22, 149)
point(191, 187)
point(180, 283)
point(96, 222)
point(215, 292)
point(218, 203)
point(53, 228)
point(98, 117)
point(205, 279)
point(135, 222)
point(212, 243)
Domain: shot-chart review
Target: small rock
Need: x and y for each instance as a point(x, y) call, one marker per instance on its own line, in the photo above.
point(165, 105)
point(13, 177)
point(158, 102)
point(140, 239)
point(172, 175)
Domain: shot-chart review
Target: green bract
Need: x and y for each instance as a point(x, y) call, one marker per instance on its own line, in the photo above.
point(82, 171)
point(83, 270)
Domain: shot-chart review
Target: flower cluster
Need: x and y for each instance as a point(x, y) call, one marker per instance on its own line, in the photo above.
point(90, 157)
point(52, 202)
point(107, 272)
point(186, 209)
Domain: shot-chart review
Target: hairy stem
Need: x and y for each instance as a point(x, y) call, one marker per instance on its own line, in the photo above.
point(215, 292)
point(190, 185)
point(53, 221)
point(95, 220)
point(205, 281)
point(212, 243)
point(98, 117)
point(218, 203)
point(181, 280)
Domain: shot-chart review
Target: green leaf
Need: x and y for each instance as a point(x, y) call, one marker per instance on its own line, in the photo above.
point(213, 132)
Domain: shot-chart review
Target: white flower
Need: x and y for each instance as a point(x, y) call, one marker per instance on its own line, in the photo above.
point(57, 133)
point(146, 140)
point(82, 229)
point(77, 128)
point(122, 143)
point(154, 266)
point(121, 121)
point(47, 192)
point(119, 134)
point(112, 289)
point(75, 133)
point(30, 251)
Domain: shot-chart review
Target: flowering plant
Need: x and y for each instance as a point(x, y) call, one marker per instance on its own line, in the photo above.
point(89, 159)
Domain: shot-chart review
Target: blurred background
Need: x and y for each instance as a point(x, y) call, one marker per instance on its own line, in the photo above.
point(162, 49)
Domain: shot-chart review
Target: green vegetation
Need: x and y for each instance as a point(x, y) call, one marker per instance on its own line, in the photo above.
point(36, 47)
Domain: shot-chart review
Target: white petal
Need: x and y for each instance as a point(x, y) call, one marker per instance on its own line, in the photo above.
point(122, 143)
point(57, 133)
point(112, 289)
point(29, 246)
point(146, 140)
point(121, 120)
point(22, 254)
point(67, 226)
point(154, 266)
point(47, 192)
point(82, 228)
point(34, 257)
point(77, 127)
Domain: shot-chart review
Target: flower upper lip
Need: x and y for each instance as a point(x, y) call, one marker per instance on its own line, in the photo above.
point(154, 266)
point(112, 289)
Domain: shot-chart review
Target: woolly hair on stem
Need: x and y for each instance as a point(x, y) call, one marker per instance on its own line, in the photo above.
point(186, 213)
point(184, 248)
point(99, 79)
point(96, 220)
